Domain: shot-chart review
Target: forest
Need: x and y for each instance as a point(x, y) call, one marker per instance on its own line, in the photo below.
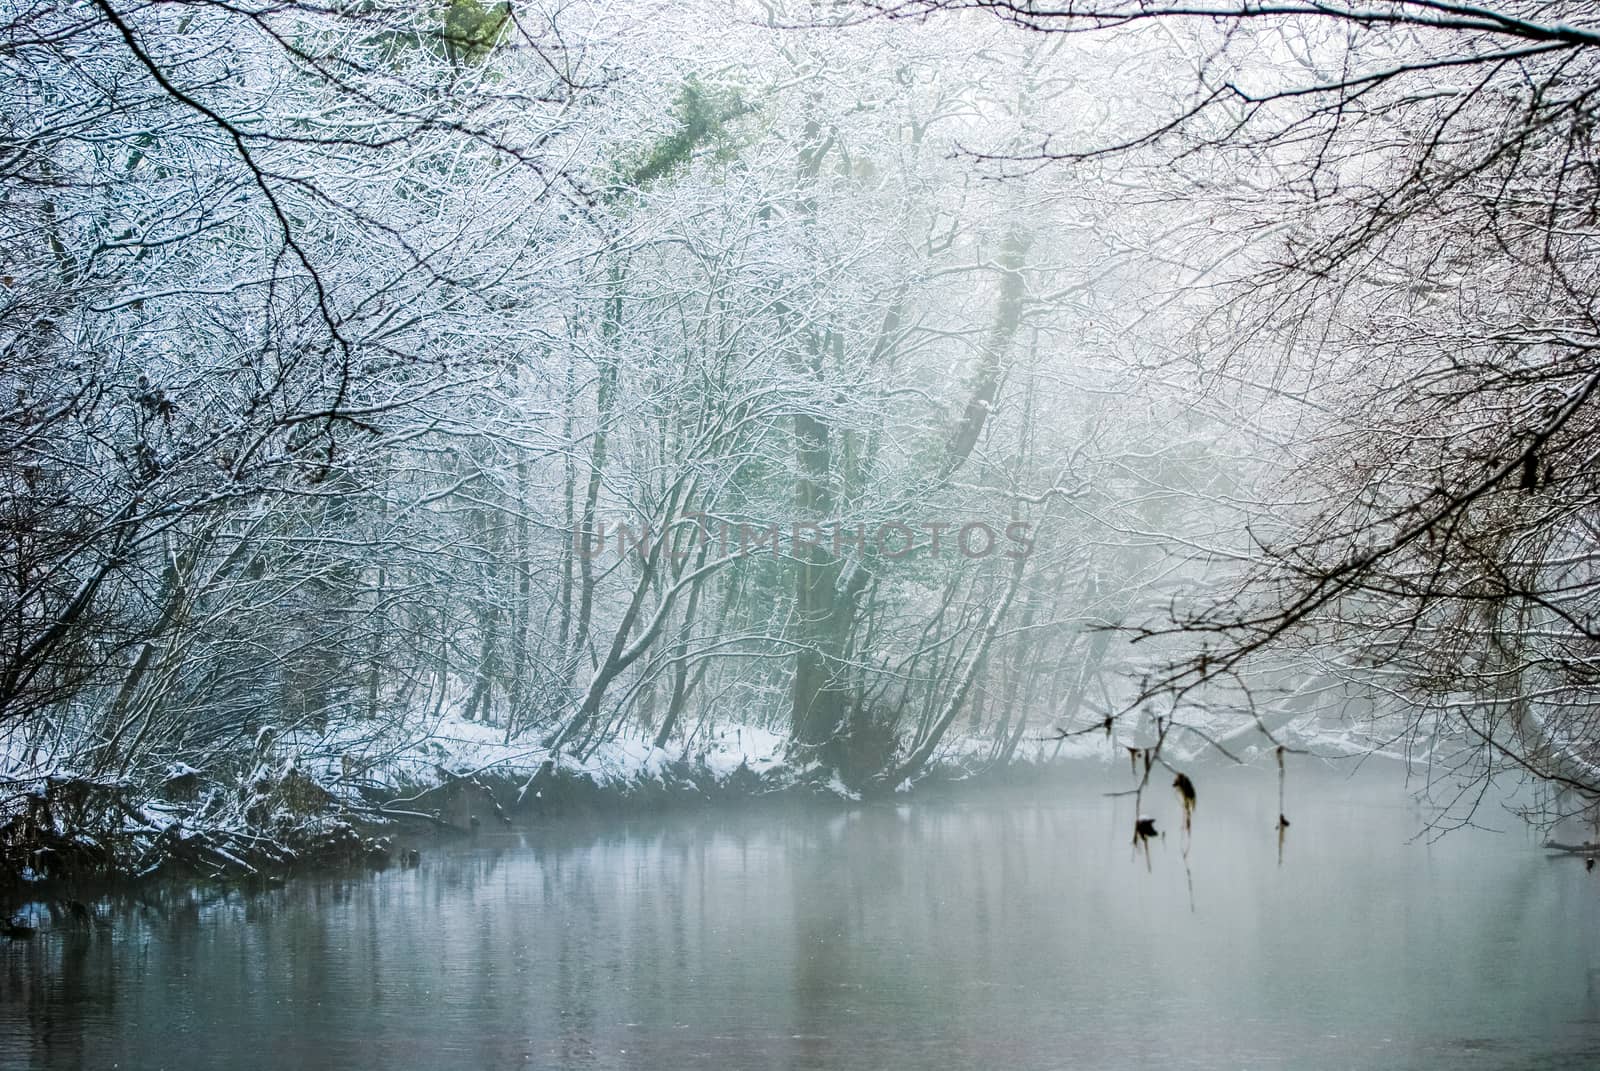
point(783, 395)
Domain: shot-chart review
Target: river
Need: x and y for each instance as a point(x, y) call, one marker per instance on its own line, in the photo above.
point(1013, 930)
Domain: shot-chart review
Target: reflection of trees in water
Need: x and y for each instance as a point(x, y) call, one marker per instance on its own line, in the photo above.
point(972, 934)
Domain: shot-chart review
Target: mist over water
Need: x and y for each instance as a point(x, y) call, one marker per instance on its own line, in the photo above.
point(1014, 930)
point(468, 414)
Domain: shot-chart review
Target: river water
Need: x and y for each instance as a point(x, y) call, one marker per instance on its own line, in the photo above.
point(1015, 930)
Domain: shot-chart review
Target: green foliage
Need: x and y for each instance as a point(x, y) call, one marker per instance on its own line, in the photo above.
point(472, 29)
point(701, 115)
point(461, 31)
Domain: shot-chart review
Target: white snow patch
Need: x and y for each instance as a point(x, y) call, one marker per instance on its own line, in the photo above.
point(838, 788)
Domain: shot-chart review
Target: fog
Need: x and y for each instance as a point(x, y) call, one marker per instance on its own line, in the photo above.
point(421, 421)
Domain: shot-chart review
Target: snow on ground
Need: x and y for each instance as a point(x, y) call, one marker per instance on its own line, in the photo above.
point(412, 752)
point(413, 755)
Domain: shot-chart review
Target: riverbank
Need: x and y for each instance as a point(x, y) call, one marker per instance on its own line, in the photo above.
point(365, 796)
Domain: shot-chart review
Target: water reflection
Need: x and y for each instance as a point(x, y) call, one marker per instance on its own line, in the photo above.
point(998, 932)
